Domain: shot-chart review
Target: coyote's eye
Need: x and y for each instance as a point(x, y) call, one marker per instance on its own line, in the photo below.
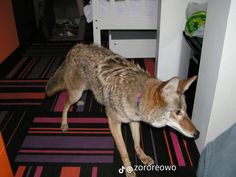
point(178, 112)
point(179, 115)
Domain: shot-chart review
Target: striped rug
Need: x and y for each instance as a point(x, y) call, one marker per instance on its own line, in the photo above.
point(23, 79)
point(22, 93)
point(30, 124)
point(88, 145)
point(88, 139)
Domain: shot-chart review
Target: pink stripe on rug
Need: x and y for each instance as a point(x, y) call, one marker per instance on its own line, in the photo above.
point(38, 171)
point(94, 171)
point(70, 120)
point(60, 102)
point(178, 152)
point(39, 151)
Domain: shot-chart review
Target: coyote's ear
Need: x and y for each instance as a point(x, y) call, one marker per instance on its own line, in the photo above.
point(170, 86)
point(184, 84)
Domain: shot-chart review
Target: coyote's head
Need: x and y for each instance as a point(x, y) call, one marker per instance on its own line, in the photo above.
point(171, 107)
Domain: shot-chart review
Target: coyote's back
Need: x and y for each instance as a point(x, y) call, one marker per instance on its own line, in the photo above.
point(98, 68)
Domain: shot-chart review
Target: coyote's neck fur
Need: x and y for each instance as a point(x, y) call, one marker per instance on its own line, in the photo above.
point(151, 98)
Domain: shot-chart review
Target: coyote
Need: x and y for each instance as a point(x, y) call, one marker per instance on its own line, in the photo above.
point(128, 92)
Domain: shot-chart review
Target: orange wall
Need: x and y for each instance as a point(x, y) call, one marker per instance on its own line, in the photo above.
point(8, 34)
point(5, 168)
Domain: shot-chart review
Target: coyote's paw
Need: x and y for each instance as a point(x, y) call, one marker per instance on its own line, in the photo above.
point(64, 127)
point(147, 160)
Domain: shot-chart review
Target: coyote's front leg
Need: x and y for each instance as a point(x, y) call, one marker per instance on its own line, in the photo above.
point(115, 127)
point(135, 130)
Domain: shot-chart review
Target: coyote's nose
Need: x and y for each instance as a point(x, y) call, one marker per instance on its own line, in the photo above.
point(196, 134)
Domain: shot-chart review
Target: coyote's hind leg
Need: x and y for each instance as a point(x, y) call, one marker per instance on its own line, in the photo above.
point(73, 97)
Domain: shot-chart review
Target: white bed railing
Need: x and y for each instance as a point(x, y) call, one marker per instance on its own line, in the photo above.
point(124, 15)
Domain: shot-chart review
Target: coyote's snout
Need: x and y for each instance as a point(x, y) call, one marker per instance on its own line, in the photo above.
point(129, 94)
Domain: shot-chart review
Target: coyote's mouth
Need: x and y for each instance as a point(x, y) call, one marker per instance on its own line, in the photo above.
point(180, 130)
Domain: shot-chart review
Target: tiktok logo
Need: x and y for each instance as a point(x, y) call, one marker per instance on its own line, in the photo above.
point(121, 170)
point(128, 169)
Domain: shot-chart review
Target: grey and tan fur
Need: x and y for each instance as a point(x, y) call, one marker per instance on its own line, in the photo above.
point(129, 94)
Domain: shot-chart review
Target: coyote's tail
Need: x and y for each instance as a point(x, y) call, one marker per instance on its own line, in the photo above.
point(56, 83)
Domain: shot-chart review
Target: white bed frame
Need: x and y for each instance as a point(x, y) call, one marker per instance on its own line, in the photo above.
point(125, 15)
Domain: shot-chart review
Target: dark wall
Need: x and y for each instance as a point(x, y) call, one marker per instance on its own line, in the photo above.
point(25, 19)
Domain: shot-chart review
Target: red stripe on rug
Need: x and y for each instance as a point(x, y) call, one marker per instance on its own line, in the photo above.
point(177, 149)
point(15, 69)
point(20, 171)
point(70, 172)
point(49, 65)
point(150, 65)
point(70, 120)
point(23, 81)
point(28, 67)
point(21, 104)
point(168, 148)
point(186, 148)
point(22, 86)
point(26, 95)
point(16, 128)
